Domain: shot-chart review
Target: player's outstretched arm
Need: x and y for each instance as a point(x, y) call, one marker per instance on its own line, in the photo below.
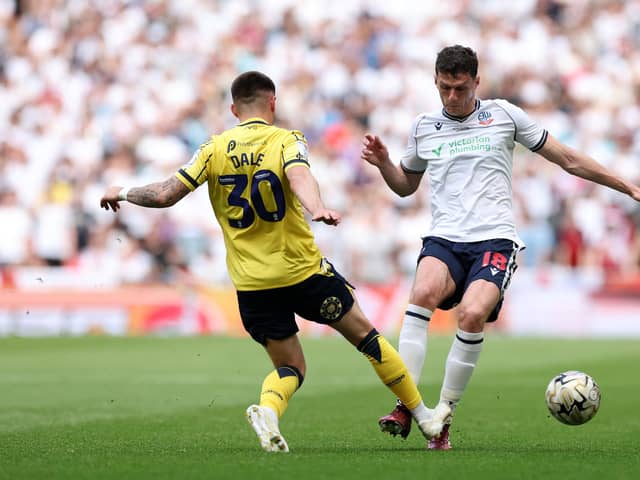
point(305, 186)
point(154, 195)
point(375, 152)
point(581, 165)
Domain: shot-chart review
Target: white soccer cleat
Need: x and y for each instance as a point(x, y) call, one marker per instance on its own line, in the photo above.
point(432, 427)
point(265, 424)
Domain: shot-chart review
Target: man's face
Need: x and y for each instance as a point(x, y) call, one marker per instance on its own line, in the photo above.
point(457, 92)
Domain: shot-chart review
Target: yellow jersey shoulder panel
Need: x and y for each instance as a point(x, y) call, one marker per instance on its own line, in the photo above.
point(195, 172)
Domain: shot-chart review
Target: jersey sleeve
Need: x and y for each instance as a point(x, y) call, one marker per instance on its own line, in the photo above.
point(528, 132)
point(295, 150)
point(410, 161)
point(195, 172)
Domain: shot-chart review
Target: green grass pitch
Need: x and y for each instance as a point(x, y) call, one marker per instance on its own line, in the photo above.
point(131, 408)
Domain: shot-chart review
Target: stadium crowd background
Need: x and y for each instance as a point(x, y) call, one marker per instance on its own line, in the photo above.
point(104, 92)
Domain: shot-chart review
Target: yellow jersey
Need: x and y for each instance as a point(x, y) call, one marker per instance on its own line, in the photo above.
point(268, 241)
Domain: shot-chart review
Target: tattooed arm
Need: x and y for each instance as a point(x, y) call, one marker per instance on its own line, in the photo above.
point(154, 195)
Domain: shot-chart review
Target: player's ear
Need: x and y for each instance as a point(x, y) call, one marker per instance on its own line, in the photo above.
point(272, 103)
point(234, 110)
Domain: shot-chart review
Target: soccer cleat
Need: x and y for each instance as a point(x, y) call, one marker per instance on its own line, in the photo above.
point(441, 442)
point(398, 422)
point(265, 425)
point(435, 426)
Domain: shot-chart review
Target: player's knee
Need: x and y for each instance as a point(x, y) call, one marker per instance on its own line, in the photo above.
point(354, 326)
point(471, 318)
point(425, 297)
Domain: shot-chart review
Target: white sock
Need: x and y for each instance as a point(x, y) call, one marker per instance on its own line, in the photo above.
point(412, 344)
point(461, 362)
point(421, 413)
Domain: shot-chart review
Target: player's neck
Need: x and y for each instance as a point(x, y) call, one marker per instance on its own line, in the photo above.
point(267, 117)
point(466, 112)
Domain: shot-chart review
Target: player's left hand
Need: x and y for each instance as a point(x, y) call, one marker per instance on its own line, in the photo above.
point(110, 199)
point(374, 151)
point(330, 217)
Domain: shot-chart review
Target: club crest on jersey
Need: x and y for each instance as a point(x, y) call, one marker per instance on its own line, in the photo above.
point(331, 308)
point(484, 118)
point(303, 152)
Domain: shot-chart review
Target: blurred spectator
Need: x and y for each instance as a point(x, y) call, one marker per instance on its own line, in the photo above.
point(16, 221)
point(571, 244)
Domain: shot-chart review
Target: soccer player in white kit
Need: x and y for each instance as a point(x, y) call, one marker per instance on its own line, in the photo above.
point(469, 256)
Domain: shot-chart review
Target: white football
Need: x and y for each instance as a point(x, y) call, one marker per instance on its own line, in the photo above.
point(573, 397)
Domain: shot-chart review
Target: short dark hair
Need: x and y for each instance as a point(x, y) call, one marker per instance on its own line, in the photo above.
point(457, 59)
point(246, 87)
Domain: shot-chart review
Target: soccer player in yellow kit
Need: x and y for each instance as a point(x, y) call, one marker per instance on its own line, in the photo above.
point(259, 181)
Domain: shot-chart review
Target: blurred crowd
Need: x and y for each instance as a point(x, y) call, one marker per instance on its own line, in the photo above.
point(121, 92)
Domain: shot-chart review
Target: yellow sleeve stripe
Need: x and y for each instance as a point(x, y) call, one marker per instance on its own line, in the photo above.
point(295, 160)
point(185, 178)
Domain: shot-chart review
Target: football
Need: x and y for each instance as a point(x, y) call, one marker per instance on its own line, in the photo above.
point(573, 397)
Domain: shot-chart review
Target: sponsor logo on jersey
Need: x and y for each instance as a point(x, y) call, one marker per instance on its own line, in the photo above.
point(484, 118)
point(436, 151)
point(231, 145)
point(470, 144)
point(438, 125)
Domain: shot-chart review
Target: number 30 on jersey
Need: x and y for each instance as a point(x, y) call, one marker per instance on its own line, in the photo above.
point(255, 204)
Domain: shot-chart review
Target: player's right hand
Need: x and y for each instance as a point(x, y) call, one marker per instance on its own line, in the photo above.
point(110, 199)
point(374, 151)
point(330, 217)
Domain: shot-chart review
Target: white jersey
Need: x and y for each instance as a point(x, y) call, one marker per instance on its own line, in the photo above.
point(469, 163)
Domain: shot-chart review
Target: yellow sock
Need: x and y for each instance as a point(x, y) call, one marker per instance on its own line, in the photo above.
point(278, 387)
point(390, 368)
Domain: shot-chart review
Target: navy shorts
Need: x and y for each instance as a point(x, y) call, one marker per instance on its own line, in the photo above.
point(491, 260)
point(323, 298)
